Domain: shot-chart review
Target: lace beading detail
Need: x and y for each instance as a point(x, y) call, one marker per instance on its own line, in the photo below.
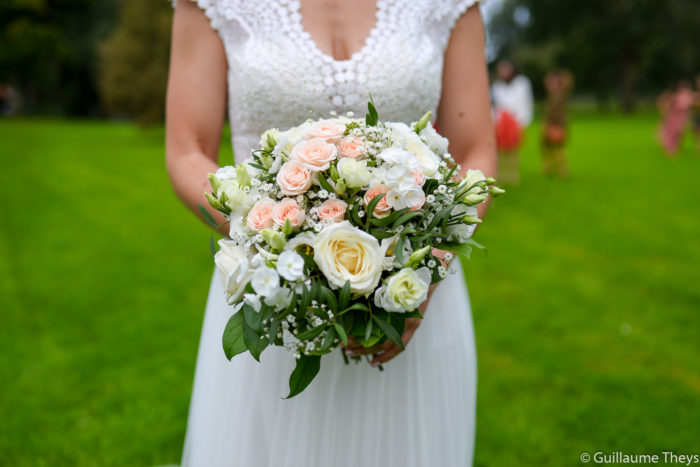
point(278, 76)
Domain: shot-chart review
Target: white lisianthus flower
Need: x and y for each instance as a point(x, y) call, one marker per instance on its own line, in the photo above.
point(280, 298)
point(273, 134)
point(412, 198)
point(472, 177)
point(408, 139)
point(252, 300)
point(461, 232)
point(434, 140)
point(233, 266)
point(400, 178)
point(354, 172)
point(290, 265)
point(401, 157)
point(265, 281)
point(304, 238)
point(404, 291)
point(226, 173)
point(346, 253)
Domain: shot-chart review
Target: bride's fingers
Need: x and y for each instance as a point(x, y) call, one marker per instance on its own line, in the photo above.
point(369, 350)
point(384, 357)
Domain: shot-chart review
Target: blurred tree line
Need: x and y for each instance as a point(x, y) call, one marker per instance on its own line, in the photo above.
point(110, 57)
point(617, 49)
point(87, 57)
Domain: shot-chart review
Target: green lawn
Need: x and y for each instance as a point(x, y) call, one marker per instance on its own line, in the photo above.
point(587, 307)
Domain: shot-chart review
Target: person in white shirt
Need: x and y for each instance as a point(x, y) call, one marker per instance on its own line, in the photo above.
point(513, 112)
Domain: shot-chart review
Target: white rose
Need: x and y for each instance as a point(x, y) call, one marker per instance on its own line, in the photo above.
point(265, 281)
point(434, 140)
point(290, 265)
point(232, 263)
point(343, 252)
point(404, 291)
point(461, 232)
point(354, 172)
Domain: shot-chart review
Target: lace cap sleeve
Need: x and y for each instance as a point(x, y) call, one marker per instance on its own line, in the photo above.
point(445, 14)
point(211, 9)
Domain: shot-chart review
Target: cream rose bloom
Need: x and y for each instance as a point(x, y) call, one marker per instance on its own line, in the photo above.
point(351, 147)
point(232, 264)
point(332, 210)
point(327, 130)
point(354, 172)
point(343, 252)
point(288, 209)
point(315, 154)
point(294, 178)
point(404, 291)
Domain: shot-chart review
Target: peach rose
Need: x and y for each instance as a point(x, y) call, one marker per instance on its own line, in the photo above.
point(294, 178)
point(419, 177)
point(327, 130)
point(288, 209)
point(383, 207)
point(315, 154)
point(351, 147)
point(332, 210)
point(260, 215)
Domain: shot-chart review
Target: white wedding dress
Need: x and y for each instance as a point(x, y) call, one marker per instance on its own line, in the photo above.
point(418, 412)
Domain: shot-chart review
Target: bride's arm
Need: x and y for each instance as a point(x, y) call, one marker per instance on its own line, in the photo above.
point(195, 106)
point(464, 117)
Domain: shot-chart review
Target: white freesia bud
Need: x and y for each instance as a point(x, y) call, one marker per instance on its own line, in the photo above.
point(461, 232)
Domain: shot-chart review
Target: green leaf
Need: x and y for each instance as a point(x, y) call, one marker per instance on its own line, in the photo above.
point(341, 332)
point(328, 340)
point(406, 217)
point(380, 234)
point(305, 371)
point(274, 327)
point(373, 204)
point(398, 249)
point(252, 318)
point(461, 248)
point(389, 330)
point(324, 183)
point(212, 246)
point(372, 117)
point(344, 297)
point(206, 215)
point(315, 289)
point(356, 307)
point(368, 330)
point(330, 298)
point(253, 341)
point(311, 333)
point(354, 216)
point(305, 298)
point(232, 339)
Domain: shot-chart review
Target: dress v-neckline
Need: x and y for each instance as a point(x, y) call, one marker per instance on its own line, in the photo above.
point(366, 44)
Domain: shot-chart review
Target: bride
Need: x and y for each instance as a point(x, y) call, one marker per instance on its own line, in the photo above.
point(269, 63)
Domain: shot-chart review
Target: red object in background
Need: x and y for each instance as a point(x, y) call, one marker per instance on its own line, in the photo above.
point(509, 135)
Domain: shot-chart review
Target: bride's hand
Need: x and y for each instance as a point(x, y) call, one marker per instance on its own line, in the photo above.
point(384, 352)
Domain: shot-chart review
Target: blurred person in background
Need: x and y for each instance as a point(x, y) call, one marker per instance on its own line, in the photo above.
point(8, 100)
point(513, 109)
point(558, 85)
point(675, 107)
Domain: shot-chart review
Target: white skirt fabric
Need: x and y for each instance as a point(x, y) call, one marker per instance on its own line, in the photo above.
point(418, 412)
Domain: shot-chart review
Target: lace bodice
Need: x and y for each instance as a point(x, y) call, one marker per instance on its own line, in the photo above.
point(277, 74)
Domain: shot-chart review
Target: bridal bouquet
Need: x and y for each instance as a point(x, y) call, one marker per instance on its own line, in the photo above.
point(332, 226)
